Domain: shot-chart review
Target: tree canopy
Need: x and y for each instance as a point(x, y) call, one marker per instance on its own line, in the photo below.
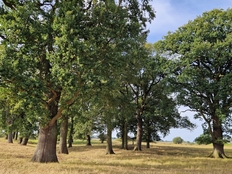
point(202, 59)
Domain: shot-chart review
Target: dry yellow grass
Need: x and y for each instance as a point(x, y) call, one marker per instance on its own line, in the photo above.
point(160, 158)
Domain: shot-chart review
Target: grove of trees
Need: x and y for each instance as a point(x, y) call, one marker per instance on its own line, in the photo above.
point(71, 68)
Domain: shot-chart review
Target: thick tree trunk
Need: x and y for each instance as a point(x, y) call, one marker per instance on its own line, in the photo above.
point(139, 135)
point(24, 141)
point(46, 147)
point(70, 137)
point(10, 137)
point(109, 147)
point(88, 139)
point(217, 137)
point(63, 136)
point(218, 151)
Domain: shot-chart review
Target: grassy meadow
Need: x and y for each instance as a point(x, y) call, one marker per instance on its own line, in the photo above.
point(165, 158)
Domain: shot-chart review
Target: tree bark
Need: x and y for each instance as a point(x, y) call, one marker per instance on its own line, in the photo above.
point(10, 137)
point(139, 135)
point(46, 147)
point(63, 136)
point(24, 141)
point(88, 138)
point(109, 147)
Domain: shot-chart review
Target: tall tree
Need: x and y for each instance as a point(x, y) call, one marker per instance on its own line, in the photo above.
point(54, 49)
point(201, 54)
point(149, 75)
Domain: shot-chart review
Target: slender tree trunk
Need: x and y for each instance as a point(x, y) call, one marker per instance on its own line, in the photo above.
point(16, 136)
point(88, 138)
point(148, 140)
point(109, 147)
point(46, 147)
point(70, 137)
point(124, 136)
point(63, 136)
point(139, 135)
point(10, 137)
point(13, 135)
point(24, 141)
point(148, 134)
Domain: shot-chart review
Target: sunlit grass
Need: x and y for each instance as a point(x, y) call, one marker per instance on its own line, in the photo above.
point(164, 158)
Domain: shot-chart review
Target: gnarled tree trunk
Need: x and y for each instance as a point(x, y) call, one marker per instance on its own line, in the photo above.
point(63, 136)
point(46, 147)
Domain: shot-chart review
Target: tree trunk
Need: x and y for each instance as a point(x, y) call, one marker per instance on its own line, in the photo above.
point(16, 136)
point(20, 140)
point(148, 139)
point(218, 151)
point(46, 147)
point(148, 143)
point(24, 141)
point(10, 137)
point(88, 138)
point(70, 137)
point(139, 135)
point(217, 136)
point(125, 137)
point(109, 147)
point(63, 136)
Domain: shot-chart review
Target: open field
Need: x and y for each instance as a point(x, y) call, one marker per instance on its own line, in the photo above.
point(163, 158)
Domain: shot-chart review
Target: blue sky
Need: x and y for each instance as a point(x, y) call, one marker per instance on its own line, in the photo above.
point(171, 14)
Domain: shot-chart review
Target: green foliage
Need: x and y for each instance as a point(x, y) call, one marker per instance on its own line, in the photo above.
point(102, 137)
point(203, 139)
point(202, 68)
point(54, 53)
point(177, 140)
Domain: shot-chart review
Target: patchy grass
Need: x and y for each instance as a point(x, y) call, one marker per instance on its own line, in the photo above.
point(165, 158)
